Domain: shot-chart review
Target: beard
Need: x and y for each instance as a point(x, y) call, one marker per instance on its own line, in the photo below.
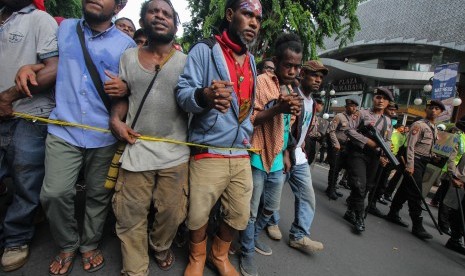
point(153, 36)
point(96, 17)
point(159, 38)
point(244, 41)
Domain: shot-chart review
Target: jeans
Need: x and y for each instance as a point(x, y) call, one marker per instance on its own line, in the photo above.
point(271, 186)
point(300, 180)
point(22, 151)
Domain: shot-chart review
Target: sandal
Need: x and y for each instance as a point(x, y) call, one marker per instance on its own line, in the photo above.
point(62, 262)
point(167, 262)
point(90, 260)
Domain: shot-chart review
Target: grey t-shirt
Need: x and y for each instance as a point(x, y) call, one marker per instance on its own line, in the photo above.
point(27, 37)
point(160, 115)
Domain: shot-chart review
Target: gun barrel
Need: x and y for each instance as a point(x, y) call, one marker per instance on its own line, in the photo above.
point(384, 147)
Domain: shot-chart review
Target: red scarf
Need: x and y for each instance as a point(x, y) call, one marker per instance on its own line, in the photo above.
point(237, 48)
point(39, 4)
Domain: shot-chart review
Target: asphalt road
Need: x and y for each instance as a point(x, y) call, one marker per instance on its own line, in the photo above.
point(383, 249)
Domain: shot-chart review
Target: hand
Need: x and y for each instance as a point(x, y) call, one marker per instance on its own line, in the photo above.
point(218, 95)
point(287, 162)
point(371, 144)
point(122, 131)
point(337, 148)
point(383, 161)
point(289, 104)
point(115, 87)
point(409, 171)
point(457, 183)
point(6, 105)
point(26, 75)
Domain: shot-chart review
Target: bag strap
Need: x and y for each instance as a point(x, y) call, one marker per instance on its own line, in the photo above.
point(93, 70)
point(157, 70)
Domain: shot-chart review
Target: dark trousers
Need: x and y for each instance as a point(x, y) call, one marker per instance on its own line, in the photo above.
point(392, 184)
point(408, 192)
point(362, 167)
point(456, 226)
point(310, 149)
point(336, 160)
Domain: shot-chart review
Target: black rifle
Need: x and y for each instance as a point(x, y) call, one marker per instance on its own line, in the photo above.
point(373, 133)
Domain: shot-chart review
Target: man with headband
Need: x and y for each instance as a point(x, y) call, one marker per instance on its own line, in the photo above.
point(218, 88)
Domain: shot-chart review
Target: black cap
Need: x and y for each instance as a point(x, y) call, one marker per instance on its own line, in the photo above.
point(386, 92)
point(351, 101)
point(393, 105)
point(436, 103)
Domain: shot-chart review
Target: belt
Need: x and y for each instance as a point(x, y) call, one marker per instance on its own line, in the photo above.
point(422, 158)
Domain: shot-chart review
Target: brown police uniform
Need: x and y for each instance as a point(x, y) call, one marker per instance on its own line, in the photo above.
point(337, 138)
point(420, 141)
point(363, 162)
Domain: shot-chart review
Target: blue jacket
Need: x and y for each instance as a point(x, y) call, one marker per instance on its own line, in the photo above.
point(205, 63)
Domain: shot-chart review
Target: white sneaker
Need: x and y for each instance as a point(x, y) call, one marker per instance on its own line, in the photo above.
point(306, 244)
point(273, 232)
point(14, 257)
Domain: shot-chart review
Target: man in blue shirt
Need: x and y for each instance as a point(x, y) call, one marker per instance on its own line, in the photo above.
point(69, 149)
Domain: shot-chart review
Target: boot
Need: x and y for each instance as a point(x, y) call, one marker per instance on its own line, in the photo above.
point(197, 256)
point(372, 209)
point(394, 217)
point(418, 230)
point(456, 245)
point(350, 216)
point(218, 257)
point(359, 225)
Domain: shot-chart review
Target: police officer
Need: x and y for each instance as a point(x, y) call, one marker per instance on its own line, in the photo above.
point(337, 142)
point(383, 172)
point(456, 176)
point(364, 155)
point(420, 141)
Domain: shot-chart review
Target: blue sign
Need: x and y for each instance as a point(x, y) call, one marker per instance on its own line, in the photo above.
point(444, 81)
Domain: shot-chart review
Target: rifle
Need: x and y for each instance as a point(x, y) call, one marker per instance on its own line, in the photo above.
point(373, 133)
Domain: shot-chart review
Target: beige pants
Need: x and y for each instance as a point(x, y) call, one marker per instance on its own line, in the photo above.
point(213, 178)
point(134, 192)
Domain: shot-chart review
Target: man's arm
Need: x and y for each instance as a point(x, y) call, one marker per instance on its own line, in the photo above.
point(34, 78)
point(412, 138)
point(118, 127)
point(332, 132)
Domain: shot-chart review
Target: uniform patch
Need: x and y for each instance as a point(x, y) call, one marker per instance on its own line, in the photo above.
point(415, 130)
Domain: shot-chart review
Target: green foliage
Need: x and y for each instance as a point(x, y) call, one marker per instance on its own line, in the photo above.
point(64, 8)
point(312, 20)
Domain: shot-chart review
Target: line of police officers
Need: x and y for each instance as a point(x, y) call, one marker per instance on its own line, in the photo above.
point(352, 147)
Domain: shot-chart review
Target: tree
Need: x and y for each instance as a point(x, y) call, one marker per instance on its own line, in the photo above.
point(312, 20)
point(64, 8)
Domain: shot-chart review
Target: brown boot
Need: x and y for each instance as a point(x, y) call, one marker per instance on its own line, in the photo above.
point(197, 256)
point(218, 257)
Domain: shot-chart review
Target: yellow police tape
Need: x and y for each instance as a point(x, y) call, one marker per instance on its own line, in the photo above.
point(142, 137)
point(114, 167)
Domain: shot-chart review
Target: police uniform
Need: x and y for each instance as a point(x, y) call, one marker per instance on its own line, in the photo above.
point(362, 161)
point(338, 138)
point(420, 141)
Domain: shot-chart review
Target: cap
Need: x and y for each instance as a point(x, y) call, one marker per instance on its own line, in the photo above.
point(315, 66)
point(441, 127)
point(351, 101)
point(436, 103)
point(384, 91)
point(393, 105)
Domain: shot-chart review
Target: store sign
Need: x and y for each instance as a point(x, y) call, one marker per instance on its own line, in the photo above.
point(348, 85)
point(444, 81)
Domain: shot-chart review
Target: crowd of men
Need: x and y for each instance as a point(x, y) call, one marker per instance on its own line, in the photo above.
point(251, 129)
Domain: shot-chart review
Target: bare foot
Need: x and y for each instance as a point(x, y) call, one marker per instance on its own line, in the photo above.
point(62, 263)
point(92, 260)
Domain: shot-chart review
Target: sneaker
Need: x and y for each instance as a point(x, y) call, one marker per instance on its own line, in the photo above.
point(262, 248)
point(14, 257)
point(306, 244)
point(274, 233)
point(248, 266)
